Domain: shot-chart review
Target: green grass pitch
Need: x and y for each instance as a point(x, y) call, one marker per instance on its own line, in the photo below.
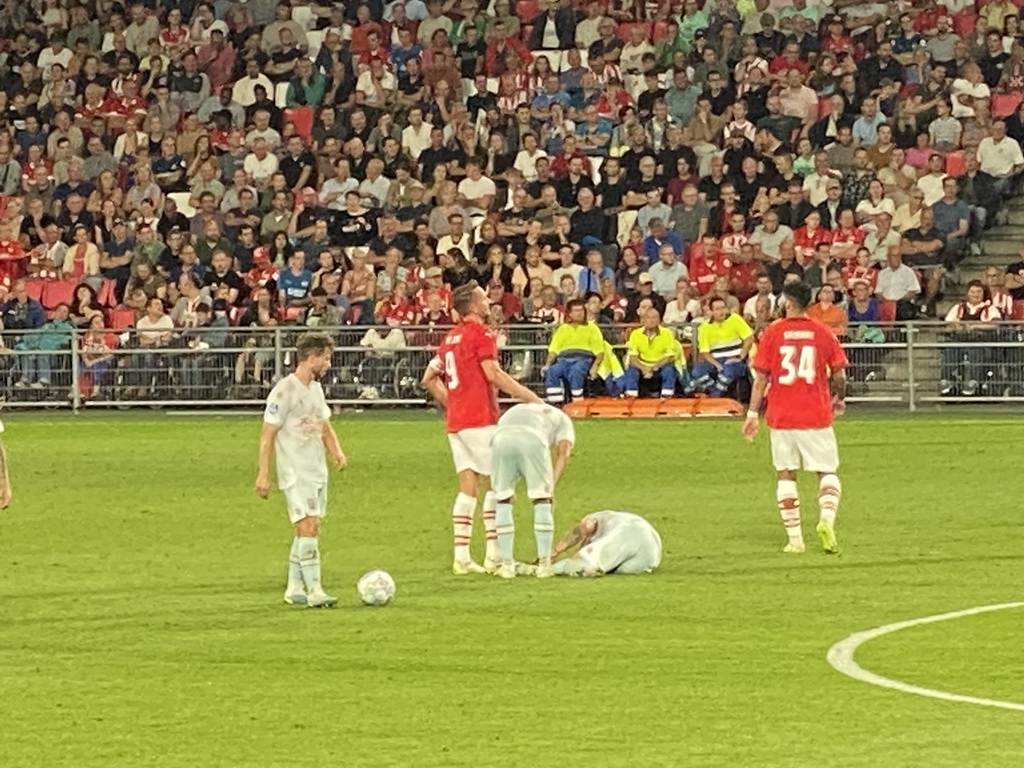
point(141, 622)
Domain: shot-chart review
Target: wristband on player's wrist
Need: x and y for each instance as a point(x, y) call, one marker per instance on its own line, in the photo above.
point(753, 415)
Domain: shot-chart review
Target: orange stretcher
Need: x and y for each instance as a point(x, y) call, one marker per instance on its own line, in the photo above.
point(653, 408)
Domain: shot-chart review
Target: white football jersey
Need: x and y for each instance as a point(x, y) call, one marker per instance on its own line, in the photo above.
point(623, 541)
point(300, 412)
point(546, 422)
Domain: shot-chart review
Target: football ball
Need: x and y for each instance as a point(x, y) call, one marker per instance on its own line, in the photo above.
point(376, 588)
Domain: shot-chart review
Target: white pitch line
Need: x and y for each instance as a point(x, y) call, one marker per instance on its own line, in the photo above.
point(840, 656)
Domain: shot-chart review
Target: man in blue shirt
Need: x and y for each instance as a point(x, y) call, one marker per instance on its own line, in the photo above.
point(865, 127)
point(596, 271)
point(540, 109)
point(293, 284)
point(661, 235)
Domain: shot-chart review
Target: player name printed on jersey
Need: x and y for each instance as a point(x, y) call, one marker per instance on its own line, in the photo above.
point(798, 355)
point(472, 399)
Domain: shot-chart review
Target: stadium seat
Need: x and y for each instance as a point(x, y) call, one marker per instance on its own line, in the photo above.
point(107, 294)
point(623, 29)
point(527, 10)
point(315, 38)
point(658, 31)
point(823, 106)
point(58, 292)
point(302, 119)
point(290, 313)
point(303, 15)
point(281, 95)
point(963, 23)
point(1018, 310)
point(34, 289)
point(118, 319)
point(955, 164)
point(181, 200)
point(1005, 104)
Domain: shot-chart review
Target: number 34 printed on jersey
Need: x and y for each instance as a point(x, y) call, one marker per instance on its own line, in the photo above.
point(798, 363)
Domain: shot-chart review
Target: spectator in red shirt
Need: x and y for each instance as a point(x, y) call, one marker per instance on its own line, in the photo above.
point(743, 273)
point(434, 287)
point(789, 59)
point(707, 262)
point(501, 45)
point(511, 307)
point(807, 238)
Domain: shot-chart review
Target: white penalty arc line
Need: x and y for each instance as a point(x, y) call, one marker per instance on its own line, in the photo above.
point(840, 656)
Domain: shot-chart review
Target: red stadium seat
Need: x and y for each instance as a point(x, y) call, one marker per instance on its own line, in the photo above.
point(658, 31)
point(1005, 104)
point(58, 292)
point(106, 295)
point(1018, 310)
point(302, 119)
point(527, 10)
point(118, 319)
point(34, 289)
point(955, 164)
point(823, 106)
point(963, 23)
point(623, 29)
point(290, 313)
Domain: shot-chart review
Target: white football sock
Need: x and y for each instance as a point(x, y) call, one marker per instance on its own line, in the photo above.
point(462, 525)
point(543, 530)
point(829, 492)
point(490, 525)
point(309, 562)
point(789, 509)
point(294, 567)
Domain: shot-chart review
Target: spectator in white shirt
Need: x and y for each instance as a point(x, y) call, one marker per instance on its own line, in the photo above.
point(416, 135)
point(898, 283)
point(526, 160)
point(1000, 158)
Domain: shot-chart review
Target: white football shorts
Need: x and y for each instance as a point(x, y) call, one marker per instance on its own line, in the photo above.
point(306, 501)
point(471, 449)
point(812, 449)
point(518, 453)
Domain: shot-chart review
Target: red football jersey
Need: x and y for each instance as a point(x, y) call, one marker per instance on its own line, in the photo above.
point(472, 399)
point(798, 355)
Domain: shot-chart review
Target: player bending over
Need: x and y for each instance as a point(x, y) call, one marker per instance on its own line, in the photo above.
point(296, 425)
point(609, 542)
point(521, 448)
point(797, 357)
point(465, 377)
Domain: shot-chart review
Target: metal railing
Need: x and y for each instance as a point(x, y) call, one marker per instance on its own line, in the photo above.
point(897, 364)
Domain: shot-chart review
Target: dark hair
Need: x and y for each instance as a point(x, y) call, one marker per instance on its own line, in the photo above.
point(799, 293)
point(581, 303)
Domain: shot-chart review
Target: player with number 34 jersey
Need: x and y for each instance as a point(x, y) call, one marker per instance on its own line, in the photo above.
point(801, 366)
point(465, 378)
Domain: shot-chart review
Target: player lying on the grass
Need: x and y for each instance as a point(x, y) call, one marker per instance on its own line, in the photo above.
point(609, 542)
point(296, 424)
point(521, 448)
point(799, 357)
point(464, 377)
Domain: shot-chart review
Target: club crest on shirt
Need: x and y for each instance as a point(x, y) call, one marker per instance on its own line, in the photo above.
point(272, 409)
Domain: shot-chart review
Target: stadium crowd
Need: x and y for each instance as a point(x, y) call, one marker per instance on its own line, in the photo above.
point(178, 166)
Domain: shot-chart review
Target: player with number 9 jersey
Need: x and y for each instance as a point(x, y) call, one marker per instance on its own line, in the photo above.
point(465, 377)
point(798, 356)
point(472, 399)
